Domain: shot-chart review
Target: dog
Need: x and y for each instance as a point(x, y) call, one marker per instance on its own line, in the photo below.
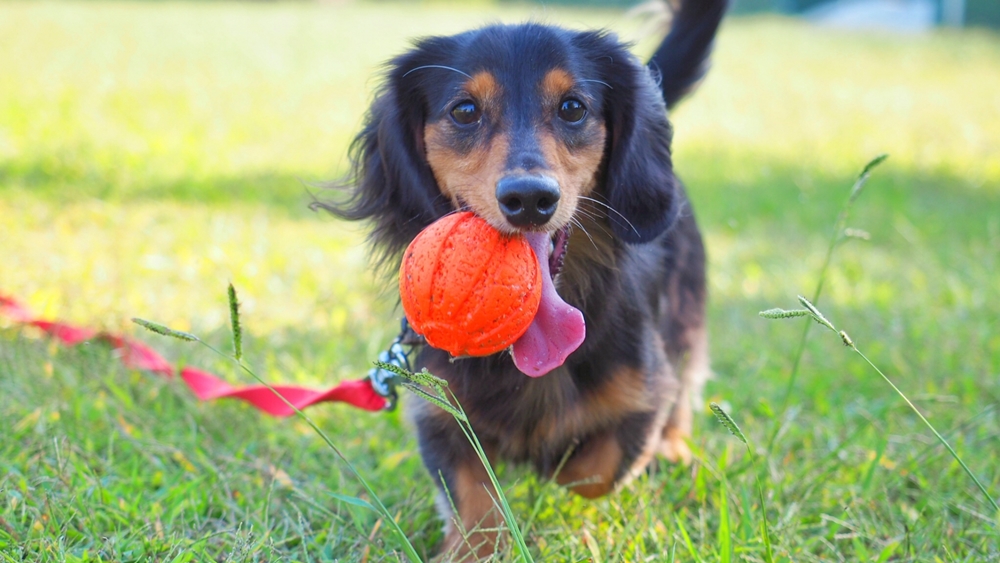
point(561, 136)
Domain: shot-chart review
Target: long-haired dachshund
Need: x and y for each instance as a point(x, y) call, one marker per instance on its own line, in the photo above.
point(562, 136)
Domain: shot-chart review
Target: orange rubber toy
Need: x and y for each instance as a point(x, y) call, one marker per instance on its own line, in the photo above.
point(467, 288)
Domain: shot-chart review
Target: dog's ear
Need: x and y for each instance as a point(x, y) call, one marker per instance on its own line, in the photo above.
point(391, 182)
point(639, 179)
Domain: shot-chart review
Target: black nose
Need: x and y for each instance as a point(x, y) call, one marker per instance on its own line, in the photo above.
point(528, 201)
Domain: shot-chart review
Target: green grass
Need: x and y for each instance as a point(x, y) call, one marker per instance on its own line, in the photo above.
point(150, 153)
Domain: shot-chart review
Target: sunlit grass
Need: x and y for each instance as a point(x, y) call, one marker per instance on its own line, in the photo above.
point(151, 153)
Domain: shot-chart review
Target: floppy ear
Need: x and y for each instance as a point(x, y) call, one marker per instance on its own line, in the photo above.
point(639, 179)
point(391, 182)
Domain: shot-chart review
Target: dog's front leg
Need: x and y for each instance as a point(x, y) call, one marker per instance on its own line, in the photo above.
point(466, 498)
point(472, 533)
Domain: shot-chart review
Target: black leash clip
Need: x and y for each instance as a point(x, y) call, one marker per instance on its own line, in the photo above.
point(383, 381)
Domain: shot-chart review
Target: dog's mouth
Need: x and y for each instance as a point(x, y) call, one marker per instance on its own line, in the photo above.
point(558, 328)
point(557, 251)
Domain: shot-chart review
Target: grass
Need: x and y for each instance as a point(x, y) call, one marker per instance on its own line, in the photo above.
point(150, 153)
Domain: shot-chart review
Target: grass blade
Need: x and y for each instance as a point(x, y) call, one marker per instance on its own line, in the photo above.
point(725, 539)
point(408, 549)
point(353, 501)
point(944, 442)
point(376, 504)
point(734, 428)
point(818, 316)
point(687, 539)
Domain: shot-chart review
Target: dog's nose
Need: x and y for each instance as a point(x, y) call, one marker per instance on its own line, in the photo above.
point(528, 201)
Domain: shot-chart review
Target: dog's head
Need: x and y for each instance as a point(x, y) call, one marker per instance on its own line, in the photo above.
point(518, 124)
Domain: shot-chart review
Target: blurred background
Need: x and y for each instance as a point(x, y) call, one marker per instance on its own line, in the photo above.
point(155, 143)
point(152, 152)
point(876, 14)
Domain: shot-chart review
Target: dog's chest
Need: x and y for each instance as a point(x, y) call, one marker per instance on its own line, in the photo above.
point(538, 419)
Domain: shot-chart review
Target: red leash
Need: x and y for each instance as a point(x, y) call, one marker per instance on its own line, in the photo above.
point(206, 386)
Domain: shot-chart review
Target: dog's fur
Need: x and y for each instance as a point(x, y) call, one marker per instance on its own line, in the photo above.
point(635, 265)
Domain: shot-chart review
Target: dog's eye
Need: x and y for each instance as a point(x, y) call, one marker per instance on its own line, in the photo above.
point(466, 113)
point(572, 111)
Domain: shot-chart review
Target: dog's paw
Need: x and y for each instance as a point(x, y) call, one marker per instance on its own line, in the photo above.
point(674, 447)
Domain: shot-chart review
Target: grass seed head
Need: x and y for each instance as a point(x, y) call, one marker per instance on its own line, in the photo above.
point(728, 422)
point(164, 330)
point(815, 314)
point(859, 234)
point(847, 339)
point(234, 319)
point(777, 313)
point(863, 177)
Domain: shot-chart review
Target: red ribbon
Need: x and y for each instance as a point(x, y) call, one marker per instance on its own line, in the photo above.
point(206, 386)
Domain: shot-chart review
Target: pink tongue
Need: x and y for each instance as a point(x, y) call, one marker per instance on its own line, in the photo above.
point(557, 329)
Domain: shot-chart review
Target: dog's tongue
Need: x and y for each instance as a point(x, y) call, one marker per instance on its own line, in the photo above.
point(558, 327)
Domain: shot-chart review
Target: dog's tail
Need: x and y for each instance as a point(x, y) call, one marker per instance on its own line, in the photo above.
point(682, 58)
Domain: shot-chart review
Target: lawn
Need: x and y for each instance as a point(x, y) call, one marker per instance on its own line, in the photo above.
point(150, 153)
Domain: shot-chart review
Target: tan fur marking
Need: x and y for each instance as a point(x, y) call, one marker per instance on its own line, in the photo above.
point(668, 400)
point(575, 170)
point(594, 467)
point(472, 177)
point(621, 394)
point(694, 373)
point(674, 447)
point(625, 392)
point(477, 537)
point(483, 87)
point(651, 446)
point(556, 83)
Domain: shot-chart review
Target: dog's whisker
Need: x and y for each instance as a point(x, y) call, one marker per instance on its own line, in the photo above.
point(593, 211)
point(597, 81)
point(595, 222)
point(435, 66)
point(602, 228)
point(577, 223)
point(593, 216)
point(583, 216)
point(593, 200)
point(629, 223)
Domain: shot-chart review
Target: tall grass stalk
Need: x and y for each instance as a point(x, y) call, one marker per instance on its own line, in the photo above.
point(237, 358)
point(734, 429)
point(838, 235)
point(812, 311)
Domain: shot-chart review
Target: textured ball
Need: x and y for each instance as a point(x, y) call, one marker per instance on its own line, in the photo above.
point(467, 288)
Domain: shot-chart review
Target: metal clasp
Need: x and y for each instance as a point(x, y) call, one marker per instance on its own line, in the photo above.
point(383, 381)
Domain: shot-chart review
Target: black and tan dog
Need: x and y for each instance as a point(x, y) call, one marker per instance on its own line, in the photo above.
point(563, 136)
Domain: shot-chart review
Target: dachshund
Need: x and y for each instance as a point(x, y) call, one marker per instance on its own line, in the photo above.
point(561, 136)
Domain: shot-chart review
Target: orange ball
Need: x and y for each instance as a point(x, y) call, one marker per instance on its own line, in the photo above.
point(467, 288)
